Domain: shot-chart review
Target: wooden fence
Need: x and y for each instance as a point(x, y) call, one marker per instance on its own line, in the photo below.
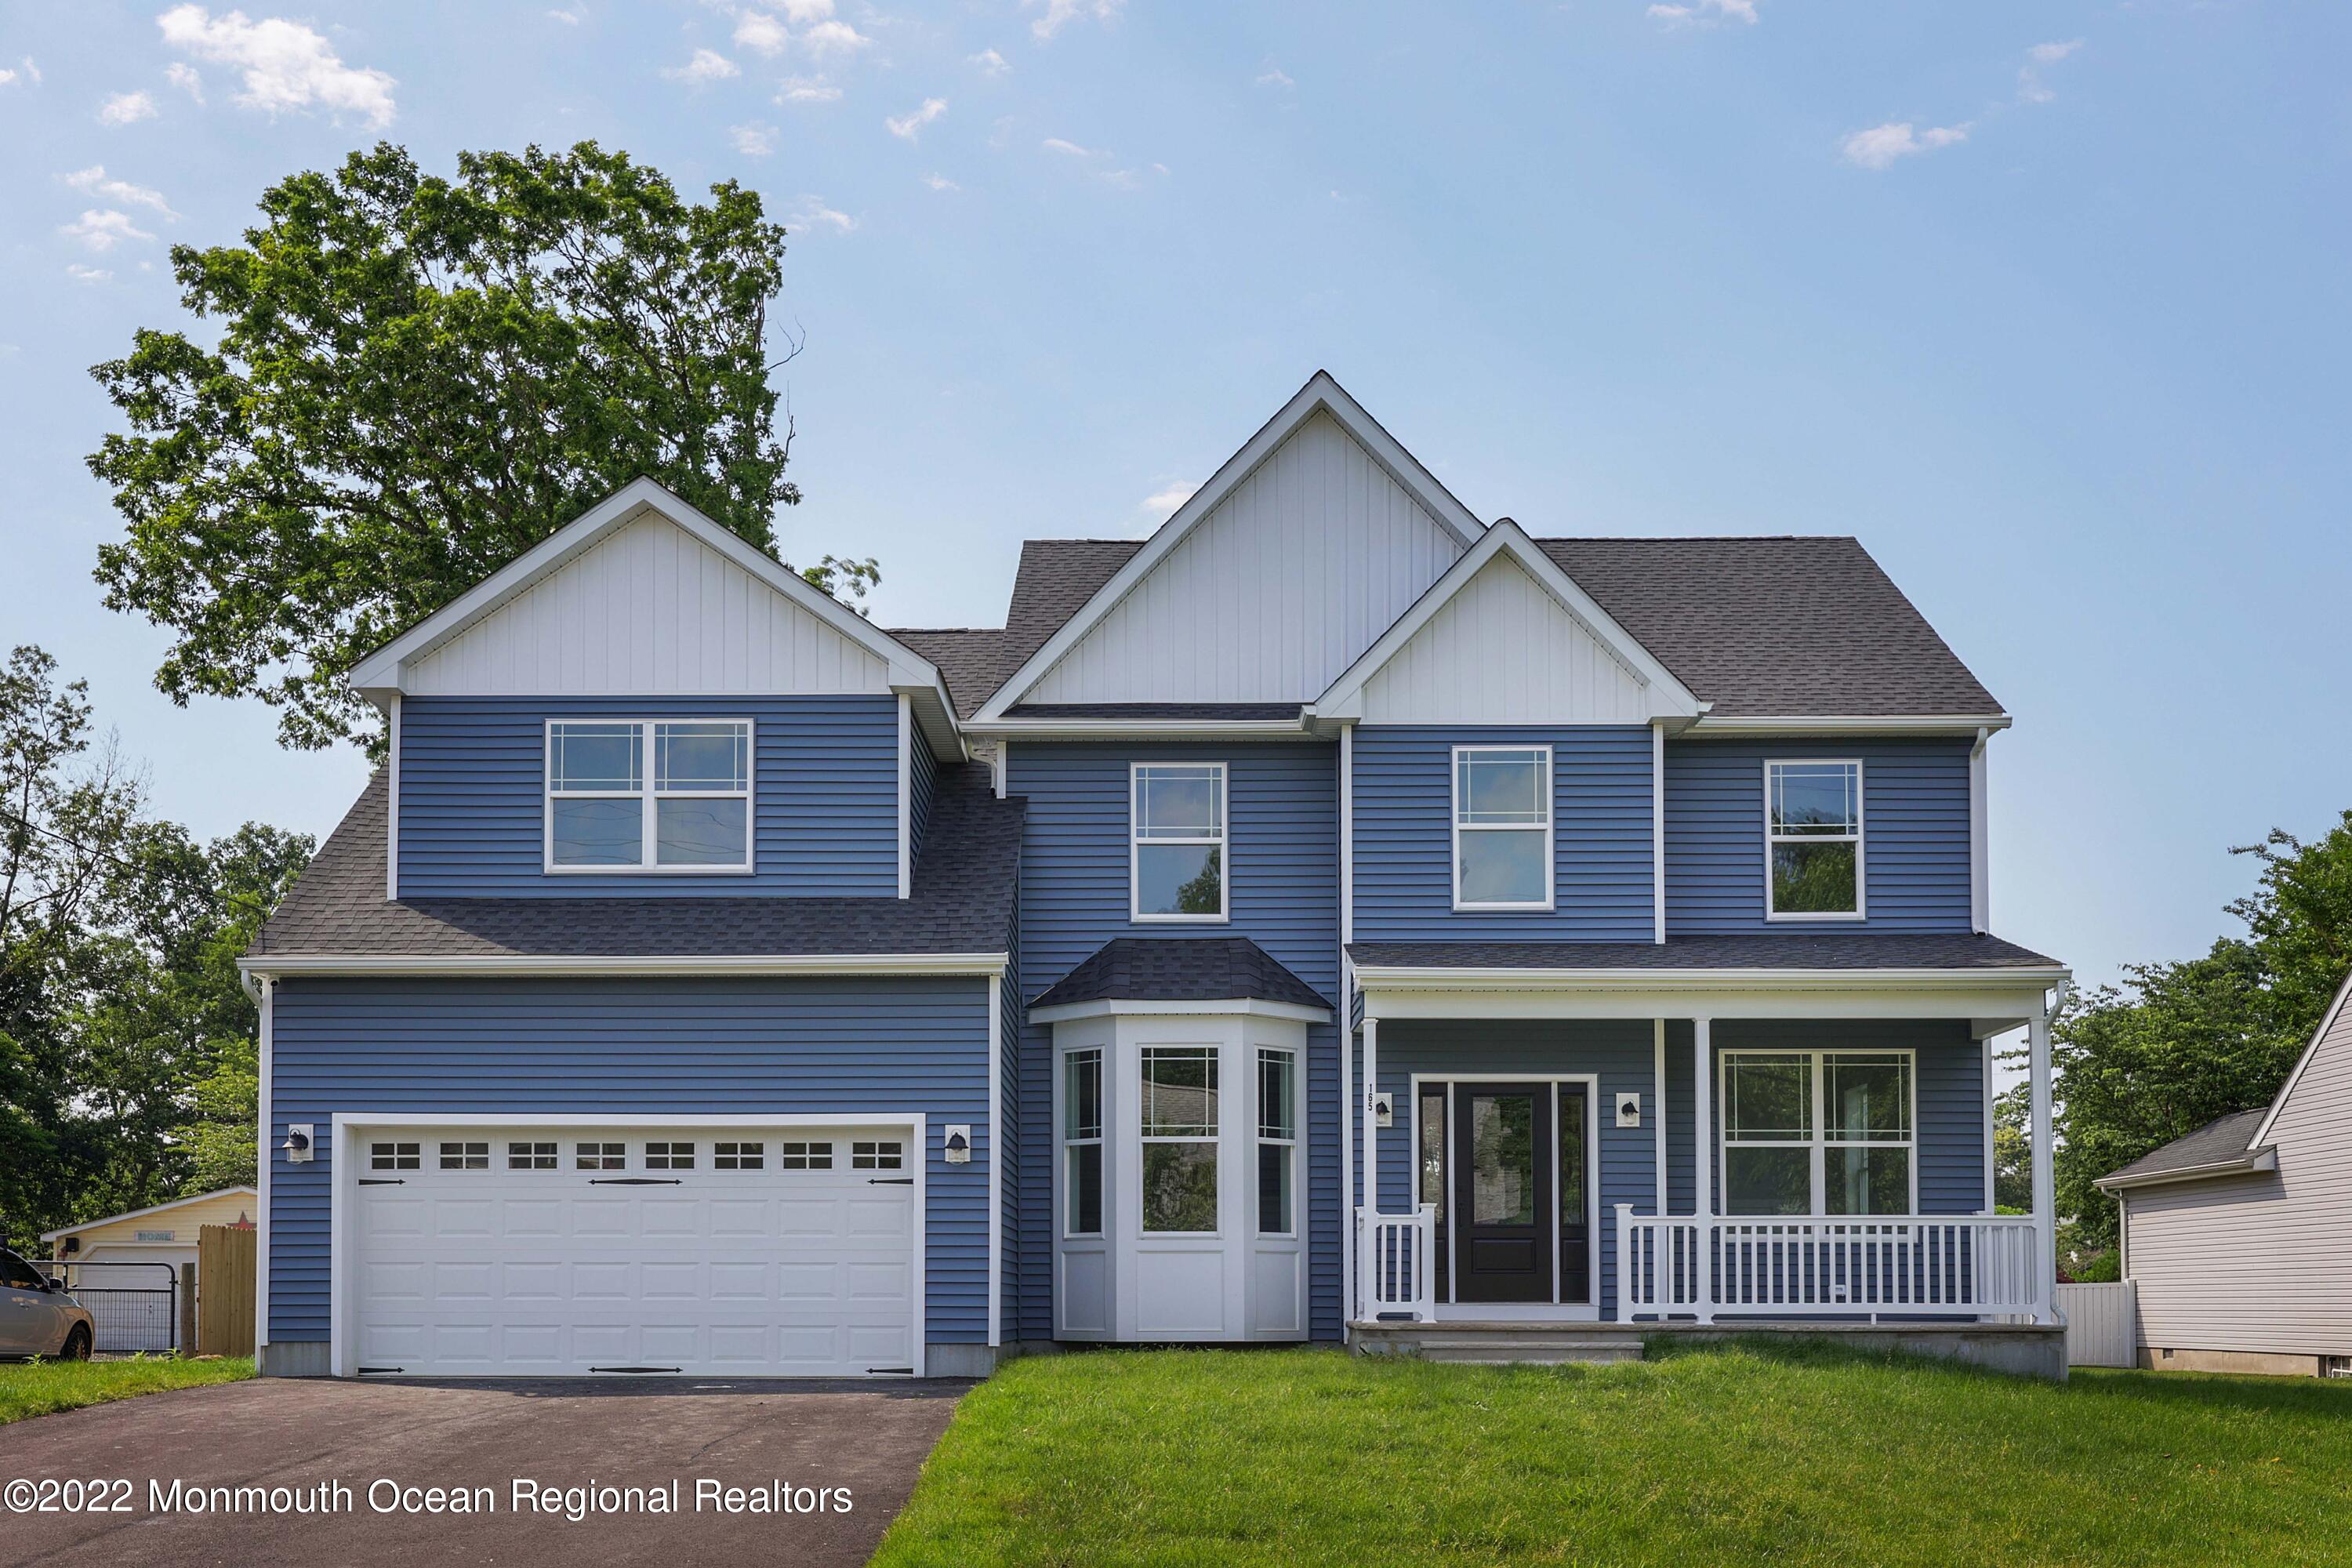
point(2102, 1324)
point(225, 1287)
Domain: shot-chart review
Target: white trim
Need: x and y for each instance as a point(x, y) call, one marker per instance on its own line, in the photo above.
point(647, 796)
point(1658, 1111)
point(1861, 910)
point(344, 1170)
point(1118, 1007)
point(1658, 833)
point(265, 1155)
point(1321, 392)
point(391, 799)
point(1991, 1166)
point(1004, 763)
point(1349, 1202)
point(1703, 1119)
point(1739, 724)
point(1153, 729)
point(1669, 698)
point(906, 798)
point(1223, 840)
point(384, 667)
point(1816, 1142)
point(1405, 977)
point(1980, 848)
point(2334, 1009)
point(273, 965)
point(1554, 1310)
point(150, 1209)
point(995, 1158)
point(1551, 811)
point(2253, 1160)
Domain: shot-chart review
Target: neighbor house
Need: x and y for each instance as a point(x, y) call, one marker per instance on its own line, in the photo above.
point(1332, 916)
point(2233, 1236)
point(165, 1233)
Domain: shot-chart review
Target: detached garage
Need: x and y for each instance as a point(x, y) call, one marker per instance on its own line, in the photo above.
point(694, 1245)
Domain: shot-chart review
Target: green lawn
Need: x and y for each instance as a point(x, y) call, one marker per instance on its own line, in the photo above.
point(36, 1388)
point(1756, 1454)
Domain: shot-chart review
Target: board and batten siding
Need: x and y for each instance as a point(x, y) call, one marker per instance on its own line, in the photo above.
point(473, 781)
point(1274, 593)
point(592, 1047)
point(1601, 823)
point(1283, 890)
point(649, 610)
point(1502, 650)
point(1915, 834)
point(2259, 1262)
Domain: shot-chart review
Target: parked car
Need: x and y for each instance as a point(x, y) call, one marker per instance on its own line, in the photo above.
point(38, 1316)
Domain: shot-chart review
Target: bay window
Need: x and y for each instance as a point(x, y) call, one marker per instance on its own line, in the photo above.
point(1082, 1143)
point(1812, 840)
point(657, 795)
point(1278, 1140)
point(1179, 1130)
point(1818, 1132)
point(1502, 827)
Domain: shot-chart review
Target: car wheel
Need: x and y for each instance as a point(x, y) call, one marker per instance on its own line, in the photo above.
point(76, 1343)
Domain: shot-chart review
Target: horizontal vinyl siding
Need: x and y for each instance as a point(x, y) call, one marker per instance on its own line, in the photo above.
point(1621, 1051)
point(2259, 1262)
point(473, 785)
point(1915, 834)
point(692, 1047)
point(1283, 892)
point(922, 778)
point(1601, 822)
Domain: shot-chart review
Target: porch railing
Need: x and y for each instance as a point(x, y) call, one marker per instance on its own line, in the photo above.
point(1707, 1265)
point(1397, 1254)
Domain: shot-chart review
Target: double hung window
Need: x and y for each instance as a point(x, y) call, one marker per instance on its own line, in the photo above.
point(1177, 849)
point(1178, 1092)
point(1812, 840)
point(1502, 827)
point(656, 795)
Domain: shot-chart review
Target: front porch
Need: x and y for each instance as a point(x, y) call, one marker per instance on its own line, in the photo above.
point(1567, 1160)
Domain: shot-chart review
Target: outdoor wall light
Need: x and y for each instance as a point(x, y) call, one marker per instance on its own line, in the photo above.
point(1385, 1110)
point(959, 1143)
point(1629, 1110)
point(298, 1143)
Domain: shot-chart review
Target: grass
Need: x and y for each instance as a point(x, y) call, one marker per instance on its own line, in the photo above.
point(40, 1387)
point(1752, 1453)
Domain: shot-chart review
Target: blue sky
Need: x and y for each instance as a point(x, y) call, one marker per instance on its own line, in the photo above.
point(2045, 302)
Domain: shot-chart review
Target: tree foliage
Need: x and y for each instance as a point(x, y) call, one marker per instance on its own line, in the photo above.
point(2178, 1045)
point(415, 379)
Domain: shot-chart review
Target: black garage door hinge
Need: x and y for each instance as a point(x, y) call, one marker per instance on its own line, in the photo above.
point(902, 1371)
point(384, 1181)
point(636, 1369)
point(889, 1181)
point(368, 1371)
point(635, 1182)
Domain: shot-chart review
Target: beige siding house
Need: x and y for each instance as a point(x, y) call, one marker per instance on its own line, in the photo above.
point(2236, 1236)
point(165, 1233)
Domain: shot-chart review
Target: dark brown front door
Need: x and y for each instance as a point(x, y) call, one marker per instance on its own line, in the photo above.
point(1505, 1237)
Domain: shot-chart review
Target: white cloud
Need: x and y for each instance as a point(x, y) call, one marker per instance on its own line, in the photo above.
point(989, 62)
point(1060, 12)
point(93, 180)
point(1162, 503)
point(81, 274)
point(285, 64)
point(2030, 89)
point(940, 182)
point(184, 77)
point(9, 75)
point(1705, 12)
point(569, 19)
point(753, 140)
point(1274, 76)
point(707, 67)
point(103, 230)
point(906, 126)
point(814, 213)
point(126, 109)
point(31, 71)
point(761, 33)
point(832, 39)
point(803, 12)
point(806, 89)
point(1055, 145)
point(1881, 146)
point(2051, 54)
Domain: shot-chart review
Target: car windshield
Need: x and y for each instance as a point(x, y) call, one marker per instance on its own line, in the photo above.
point(15, 1270)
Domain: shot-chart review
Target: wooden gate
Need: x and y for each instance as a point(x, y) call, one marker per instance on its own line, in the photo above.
point(224, 1286)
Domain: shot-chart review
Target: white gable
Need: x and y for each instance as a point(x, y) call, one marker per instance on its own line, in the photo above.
point(1273, 593)
point(648, 610)
point(1502, 650)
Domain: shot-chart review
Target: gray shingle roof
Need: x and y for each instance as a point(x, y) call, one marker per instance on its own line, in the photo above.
point(1775, 627)
point(1057, 577)
point(962, 901)
point(1795, 950)
point(2225, 1138)
point(1216, 710)
point(967, 658)
point(1179, 969)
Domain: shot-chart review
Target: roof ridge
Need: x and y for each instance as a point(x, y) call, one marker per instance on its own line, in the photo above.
point(1695, 538)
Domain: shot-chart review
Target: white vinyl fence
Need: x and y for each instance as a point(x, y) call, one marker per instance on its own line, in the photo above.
point(2102, 1324)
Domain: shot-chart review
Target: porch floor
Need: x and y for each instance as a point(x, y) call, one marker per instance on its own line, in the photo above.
point(2028, 1350)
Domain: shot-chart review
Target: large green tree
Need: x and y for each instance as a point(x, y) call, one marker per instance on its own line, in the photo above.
point(2178, 1045)
point(412, 380)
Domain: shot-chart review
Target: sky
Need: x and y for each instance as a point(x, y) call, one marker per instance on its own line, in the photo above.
point(2044, 303)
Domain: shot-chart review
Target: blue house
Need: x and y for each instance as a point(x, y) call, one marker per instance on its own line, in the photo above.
point(1332, 918)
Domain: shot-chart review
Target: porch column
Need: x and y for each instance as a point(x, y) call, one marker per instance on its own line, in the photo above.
point(2045, 1229)
point(1703, 1164)
point(1371, 1118)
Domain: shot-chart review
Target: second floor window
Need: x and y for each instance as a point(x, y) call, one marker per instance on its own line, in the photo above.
point(1812, 840)
point(1177, 848)
point(1502, 827)
point(656, 795)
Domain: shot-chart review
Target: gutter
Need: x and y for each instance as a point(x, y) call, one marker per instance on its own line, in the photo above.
point(276, 966)
point(1446, 978)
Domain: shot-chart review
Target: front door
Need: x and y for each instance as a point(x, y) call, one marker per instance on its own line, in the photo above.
point(1505, 1237)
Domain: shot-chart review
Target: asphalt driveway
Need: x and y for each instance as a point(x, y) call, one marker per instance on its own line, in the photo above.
point(778, 1443)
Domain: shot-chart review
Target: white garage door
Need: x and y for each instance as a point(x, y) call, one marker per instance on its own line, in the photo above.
point(773, 1251)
